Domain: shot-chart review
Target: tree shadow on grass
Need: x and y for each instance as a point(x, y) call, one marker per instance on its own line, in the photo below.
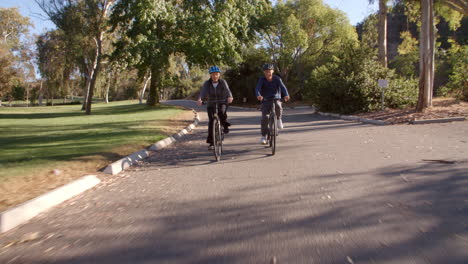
point(77, 140)
point(102, 110)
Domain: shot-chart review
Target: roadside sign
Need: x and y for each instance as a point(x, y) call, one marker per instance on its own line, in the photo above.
point(383, 83)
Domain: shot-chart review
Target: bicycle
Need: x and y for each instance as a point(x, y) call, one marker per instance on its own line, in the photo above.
point(272, 127)
point(217, 132)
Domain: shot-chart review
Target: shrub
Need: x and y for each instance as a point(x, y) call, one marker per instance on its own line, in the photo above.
point(458, 78)
point(348, 84)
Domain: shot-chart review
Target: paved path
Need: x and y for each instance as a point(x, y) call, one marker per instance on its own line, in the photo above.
point(335, 192)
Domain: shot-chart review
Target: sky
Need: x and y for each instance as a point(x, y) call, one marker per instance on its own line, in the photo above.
point(30, 9)
point(356, 11)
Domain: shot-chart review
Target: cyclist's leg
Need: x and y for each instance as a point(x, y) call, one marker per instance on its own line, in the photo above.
point(211, 111)
point(266, 106)
point(222, 112)
point(278, 109)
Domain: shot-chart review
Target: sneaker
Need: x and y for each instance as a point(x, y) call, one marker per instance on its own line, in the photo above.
point(280, 124)
point(226, 130)
point(210, 147)
point(263, 141)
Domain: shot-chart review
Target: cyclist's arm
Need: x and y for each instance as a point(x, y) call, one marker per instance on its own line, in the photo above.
point(203, 91)
point(284, 90)
point(258, 89)
point(227, 92)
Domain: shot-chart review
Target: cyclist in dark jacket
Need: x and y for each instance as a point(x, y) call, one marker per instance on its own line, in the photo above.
point(215, 89)
point(270, 87)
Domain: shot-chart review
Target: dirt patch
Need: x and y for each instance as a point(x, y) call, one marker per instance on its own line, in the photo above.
point(16, 190)
point(442, 108)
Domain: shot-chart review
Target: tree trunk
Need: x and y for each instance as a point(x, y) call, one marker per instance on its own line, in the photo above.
point(153, 98)
point(106, 95)
point(27, 97)
point(41, 94)
point(142, 94)
point(383, 32)
point(94, 72)
point(88, 85)
point(107, 92)
point(426, 56)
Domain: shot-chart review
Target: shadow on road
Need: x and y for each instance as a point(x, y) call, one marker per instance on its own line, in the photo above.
point(422, 219)
point(392, 214)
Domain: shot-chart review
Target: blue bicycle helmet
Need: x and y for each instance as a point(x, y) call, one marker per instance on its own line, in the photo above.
point(268, 66)
point(214, 69)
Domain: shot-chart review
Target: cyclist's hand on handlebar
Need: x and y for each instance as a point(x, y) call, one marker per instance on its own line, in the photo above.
point(229, 100)
point(199, 102)
point(286, 98)
point(260, 97)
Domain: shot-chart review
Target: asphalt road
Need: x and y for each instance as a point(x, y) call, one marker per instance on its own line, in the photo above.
point(335, 192)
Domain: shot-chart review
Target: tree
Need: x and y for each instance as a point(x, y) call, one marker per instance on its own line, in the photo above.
point(206, 32)
point(7, 72)
point(427, 46)
point(149, 36)
point(382, 26)
point(15, 53)
point(12, 27)
point(300, 34)
point(460, 6)
point(55, 63)
point(426, 56)
point(83, 21)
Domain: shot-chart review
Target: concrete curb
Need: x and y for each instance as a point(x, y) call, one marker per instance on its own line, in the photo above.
point(289, 107)
point(355, 118)
point(131, 159)
point(439, 120)
point(345, 117)
point(22, 213)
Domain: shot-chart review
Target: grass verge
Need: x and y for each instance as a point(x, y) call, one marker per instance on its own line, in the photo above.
point(35, 141)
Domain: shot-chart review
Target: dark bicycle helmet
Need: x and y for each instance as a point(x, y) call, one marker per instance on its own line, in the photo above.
point(214, 69)
point(268, 66)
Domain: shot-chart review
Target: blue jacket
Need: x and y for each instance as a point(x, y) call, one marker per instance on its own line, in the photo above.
point(271, 90)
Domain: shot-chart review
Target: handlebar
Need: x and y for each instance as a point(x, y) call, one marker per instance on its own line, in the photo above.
point(214, 101)
point(272, 99)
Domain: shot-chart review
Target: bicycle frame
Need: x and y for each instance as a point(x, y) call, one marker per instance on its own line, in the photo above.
point(217, 132)
point(272, 126)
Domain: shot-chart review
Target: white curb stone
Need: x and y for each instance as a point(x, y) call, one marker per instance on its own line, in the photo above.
point(355, 118)
point(22, 213)
point(374, 122)
point(128, 161)
point(439, 120)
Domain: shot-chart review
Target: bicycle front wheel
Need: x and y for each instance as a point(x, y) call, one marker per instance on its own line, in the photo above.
point(217, 139)
point(273, 134)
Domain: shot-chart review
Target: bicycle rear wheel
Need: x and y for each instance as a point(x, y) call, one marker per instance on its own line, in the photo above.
point(273, 131)
point(217, 139)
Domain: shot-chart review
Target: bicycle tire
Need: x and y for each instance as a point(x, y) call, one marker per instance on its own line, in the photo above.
point(221, 136)
point(217, 140)
point(273, 134)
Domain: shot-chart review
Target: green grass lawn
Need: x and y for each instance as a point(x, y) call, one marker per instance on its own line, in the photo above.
point(40, 137)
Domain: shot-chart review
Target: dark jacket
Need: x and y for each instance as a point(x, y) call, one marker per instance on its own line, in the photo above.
point(209, 93)
point(269, 90)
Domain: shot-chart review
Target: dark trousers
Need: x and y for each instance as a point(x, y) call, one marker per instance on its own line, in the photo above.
point(222, 108)
point(266, 106)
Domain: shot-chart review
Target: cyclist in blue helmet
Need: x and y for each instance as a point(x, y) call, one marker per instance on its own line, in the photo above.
point(270, 87)
point(215, 89)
